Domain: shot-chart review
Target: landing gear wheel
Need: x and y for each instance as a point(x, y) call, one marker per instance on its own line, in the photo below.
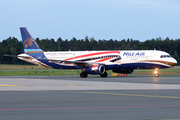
point(156, 75)
point(104, 74)
point(83, 75)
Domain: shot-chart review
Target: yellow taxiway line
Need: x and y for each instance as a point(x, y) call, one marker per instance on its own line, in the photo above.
point(2, 85)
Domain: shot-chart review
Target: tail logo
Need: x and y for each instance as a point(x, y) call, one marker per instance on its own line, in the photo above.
point(28, 42)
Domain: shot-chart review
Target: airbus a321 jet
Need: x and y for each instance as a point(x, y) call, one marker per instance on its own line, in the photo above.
point(95, 62)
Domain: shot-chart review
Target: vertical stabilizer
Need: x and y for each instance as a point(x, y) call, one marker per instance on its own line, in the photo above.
point(29, 44)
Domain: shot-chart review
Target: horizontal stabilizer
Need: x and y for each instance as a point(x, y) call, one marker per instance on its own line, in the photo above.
point(10, 55)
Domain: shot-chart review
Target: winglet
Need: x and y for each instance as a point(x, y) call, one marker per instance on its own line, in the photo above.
point(29, 44)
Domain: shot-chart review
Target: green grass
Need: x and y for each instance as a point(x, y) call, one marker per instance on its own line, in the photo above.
point(20, 67)
point(8, 70)
point(48, 73)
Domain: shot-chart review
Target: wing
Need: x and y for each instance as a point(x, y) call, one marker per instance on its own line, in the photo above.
point(77, 63)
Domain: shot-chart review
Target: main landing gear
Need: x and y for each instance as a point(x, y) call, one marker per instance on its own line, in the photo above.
point(156, 73)
point(104, 74)
point(85, 75)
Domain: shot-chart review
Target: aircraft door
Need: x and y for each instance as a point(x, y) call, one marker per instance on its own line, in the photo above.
point(152, 56)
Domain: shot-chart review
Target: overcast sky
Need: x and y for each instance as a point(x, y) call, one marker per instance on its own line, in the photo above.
point(101, 19)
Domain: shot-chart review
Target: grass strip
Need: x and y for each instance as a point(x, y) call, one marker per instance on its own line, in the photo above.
point(48, 73)
point(9, 70)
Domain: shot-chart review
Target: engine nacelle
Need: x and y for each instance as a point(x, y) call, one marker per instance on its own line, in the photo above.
point(95, 69)
point(123, 71)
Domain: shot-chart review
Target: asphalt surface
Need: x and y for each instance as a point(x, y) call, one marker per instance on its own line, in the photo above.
point(73, 98)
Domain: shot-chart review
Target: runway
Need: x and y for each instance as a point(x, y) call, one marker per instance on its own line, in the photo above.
point(62, 97)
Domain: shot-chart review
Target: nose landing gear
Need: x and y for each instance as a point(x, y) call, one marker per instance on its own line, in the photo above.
point(156, 73)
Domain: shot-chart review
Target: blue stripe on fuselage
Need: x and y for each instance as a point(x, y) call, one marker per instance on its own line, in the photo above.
point(110, 67)
point(140, 66)
point(30, 50)
point(135, 66)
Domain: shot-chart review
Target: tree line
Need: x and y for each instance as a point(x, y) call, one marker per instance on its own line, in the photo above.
point(13, 46)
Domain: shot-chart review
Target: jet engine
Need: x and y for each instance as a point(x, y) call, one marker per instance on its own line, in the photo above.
point(123, 71)
point(94, 69)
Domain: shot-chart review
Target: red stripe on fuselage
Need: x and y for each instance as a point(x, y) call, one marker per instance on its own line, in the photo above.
point(93, 54)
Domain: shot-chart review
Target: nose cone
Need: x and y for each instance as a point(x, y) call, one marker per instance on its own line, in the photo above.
point(174, 62)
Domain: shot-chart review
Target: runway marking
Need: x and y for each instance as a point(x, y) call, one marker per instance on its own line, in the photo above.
point(2, 85)
point(106, 107)
point(68, 85)
point(131, 95)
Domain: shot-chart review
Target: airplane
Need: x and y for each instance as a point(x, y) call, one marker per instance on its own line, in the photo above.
point(95, 62)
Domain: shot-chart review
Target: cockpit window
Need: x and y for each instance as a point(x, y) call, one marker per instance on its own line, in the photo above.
point(165, 56)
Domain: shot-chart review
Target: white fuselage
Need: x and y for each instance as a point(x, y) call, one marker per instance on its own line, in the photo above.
point(138, 59)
